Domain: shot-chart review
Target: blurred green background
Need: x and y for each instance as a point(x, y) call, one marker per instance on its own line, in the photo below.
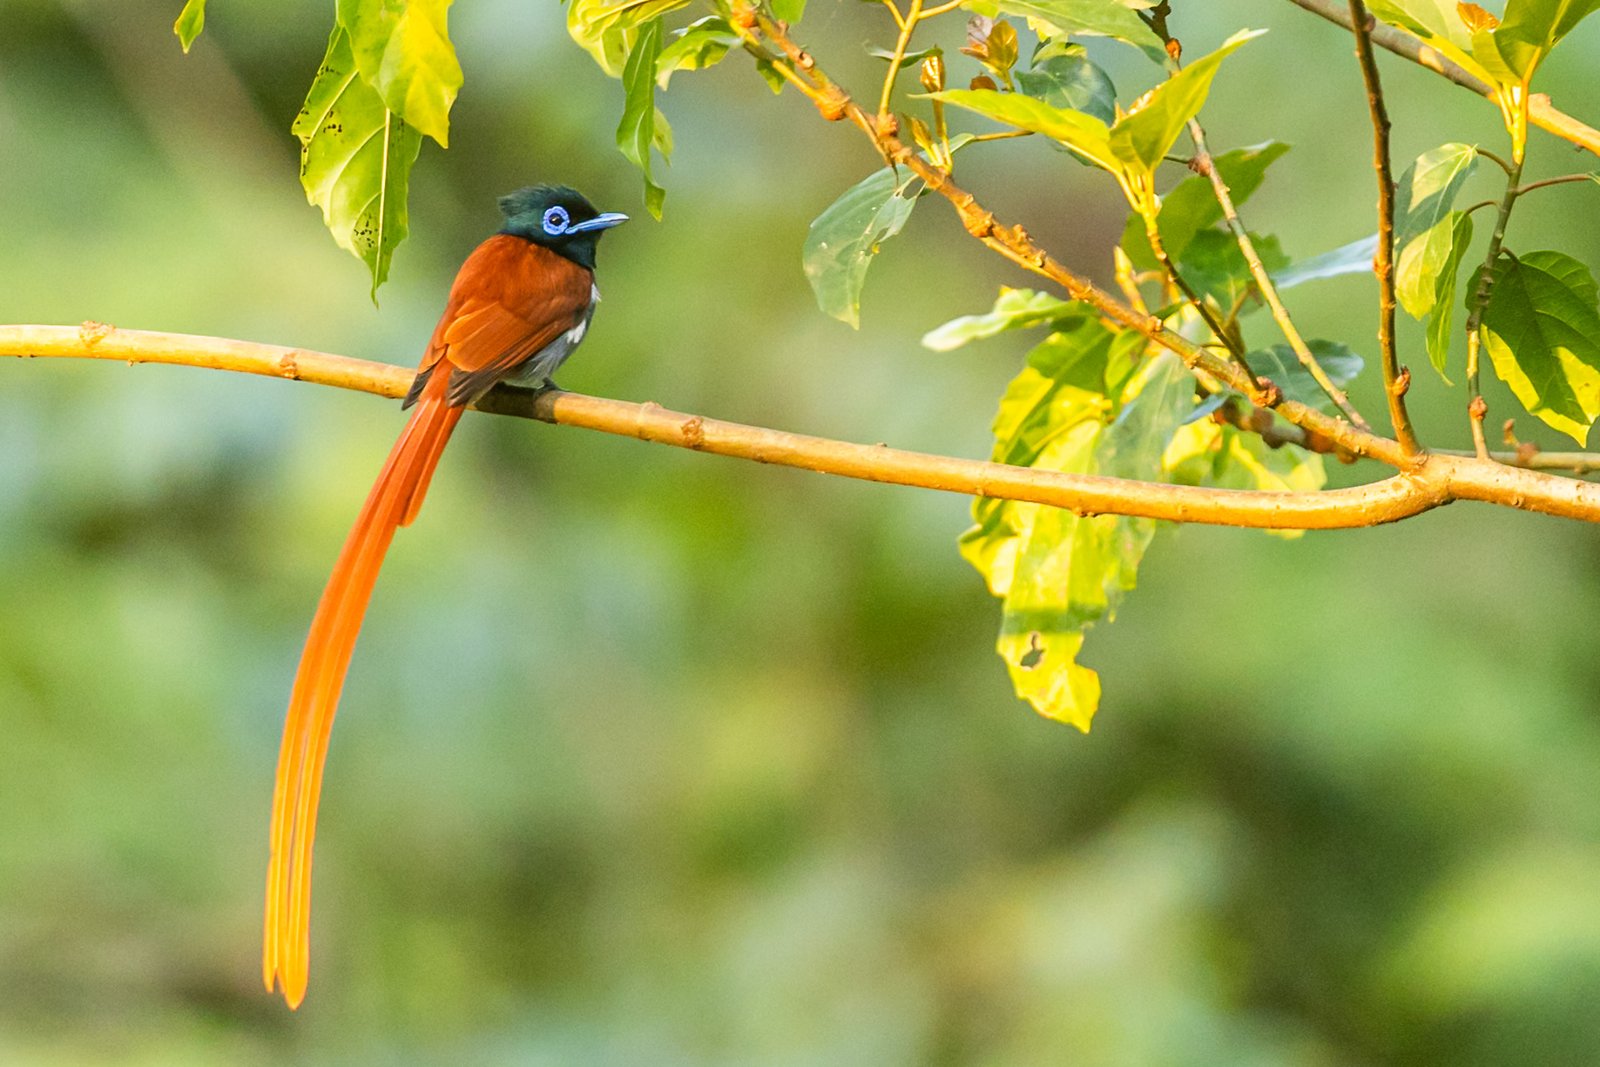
point(649, 757)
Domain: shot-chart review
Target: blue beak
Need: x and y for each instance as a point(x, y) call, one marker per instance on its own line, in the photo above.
point(599, 222)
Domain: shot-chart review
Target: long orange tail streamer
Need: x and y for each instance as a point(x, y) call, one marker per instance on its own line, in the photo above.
point(393, 502)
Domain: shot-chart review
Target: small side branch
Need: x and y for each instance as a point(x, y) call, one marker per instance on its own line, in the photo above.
point(1395, 381)
point(1263, 280)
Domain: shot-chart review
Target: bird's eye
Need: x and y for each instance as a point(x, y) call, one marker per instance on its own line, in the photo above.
point(556, 221)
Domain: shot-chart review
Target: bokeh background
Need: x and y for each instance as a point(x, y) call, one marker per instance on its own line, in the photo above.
point(649, 757)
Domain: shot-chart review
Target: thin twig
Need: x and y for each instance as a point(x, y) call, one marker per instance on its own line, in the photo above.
point(1395, 381)
point(1269, 292)
point(1385, 501)
point(1542, 113)
point(1565, 179)
point(913, 16)
point(1476, 407)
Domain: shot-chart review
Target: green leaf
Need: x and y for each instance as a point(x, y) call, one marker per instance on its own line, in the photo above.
point(402, 49)
point(1542, 331)
point(1147, 133)
point(1424, 221)
point(1015, 309)
point(1191, 205)
point(1280, 364)
point(1532, 29)
point(789, 11)
point(1100, 18)
point(355, 159)
point(191, 20)
point(1056, 572)
point(637, 131)
point(1072, 82)
point(1353, 258)
point(1440, 318)
point(1084, 134)
point(843, 239)
point(1215, 266)
point(608, 29)
point(701, 44)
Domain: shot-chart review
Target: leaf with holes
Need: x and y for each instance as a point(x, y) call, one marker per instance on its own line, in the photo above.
point(191, 20)
point(1059, 573)
point(355, 160)
point(843, 239)
point(402, 49)
point(1425, 222)
point(1542, 331)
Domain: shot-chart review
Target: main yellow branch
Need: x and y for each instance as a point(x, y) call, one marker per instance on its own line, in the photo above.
point(1385, 501)
point(1435, 480)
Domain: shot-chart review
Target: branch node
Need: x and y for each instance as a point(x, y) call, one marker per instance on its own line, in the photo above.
point(289, 366)
point(978, 222)
point(92, 332)
point(694, 432)
point(1402, 382)
point(833, 103)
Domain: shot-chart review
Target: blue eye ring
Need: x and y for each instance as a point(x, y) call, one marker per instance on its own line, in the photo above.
point(556, 220)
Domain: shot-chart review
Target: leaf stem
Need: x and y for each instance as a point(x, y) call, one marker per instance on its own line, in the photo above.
point(1395, 380)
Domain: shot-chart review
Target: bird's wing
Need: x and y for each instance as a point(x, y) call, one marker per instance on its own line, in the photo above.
point(511, 298)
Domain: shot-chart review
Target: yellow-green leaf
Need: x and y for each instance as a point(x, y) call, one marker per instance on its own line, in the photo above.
point(1084, 134)
point(1147, 133)
point(607, 29)
point(191, 20)
point(1441, 317)
point(636, 134)
point(1014, 309)
point(402, 49)
point(1425, 222)
point(355, 159)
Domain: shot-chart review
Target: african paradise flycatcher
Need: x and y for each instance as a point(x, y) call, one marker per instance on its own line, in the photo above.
point(520, 304)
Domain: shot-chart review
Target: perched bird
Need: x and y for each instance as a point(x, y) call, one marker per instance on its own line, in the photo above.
point(520, 304)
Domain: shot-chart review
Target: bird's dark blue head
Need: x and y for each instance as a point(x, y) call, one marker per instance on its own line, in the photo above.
point(558, 218)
